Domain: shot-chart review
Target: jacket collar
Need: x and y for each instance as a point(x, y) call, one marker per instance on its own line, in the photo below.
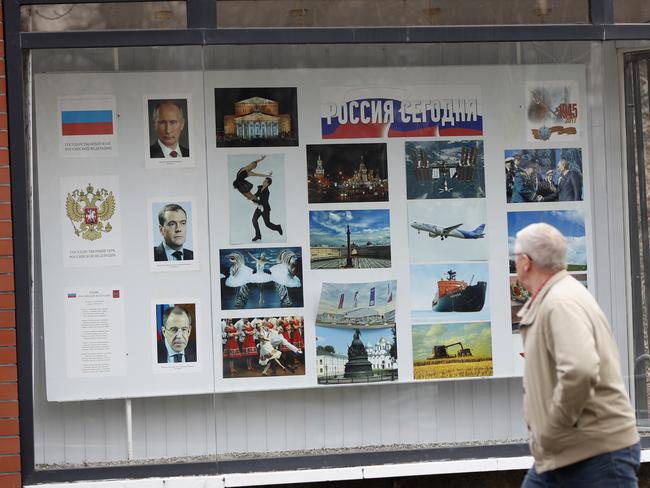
point(528, 312)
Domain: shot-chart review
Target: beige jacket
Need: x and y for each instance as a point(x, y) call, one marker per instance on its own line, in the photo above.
point(575, 401)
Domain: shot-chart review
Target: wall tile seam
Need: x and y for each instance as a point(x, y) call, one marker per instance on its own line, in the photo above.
point(10, 372)
point(8, 440)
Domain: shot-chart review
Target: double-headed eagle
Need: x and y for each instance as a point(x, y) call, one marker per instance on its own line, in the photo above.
point(91, 209)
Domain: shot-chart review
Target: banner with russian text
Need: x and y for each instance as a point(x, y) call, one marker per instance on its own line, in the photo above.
point(415, 111)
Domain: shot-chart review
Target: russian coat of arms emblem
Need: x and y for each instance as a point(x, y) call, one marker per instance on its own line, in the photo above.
point(89, 211)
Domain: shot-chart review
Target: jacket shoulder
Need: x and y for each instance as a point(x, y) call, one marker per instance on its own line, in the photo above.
point(159, 253)
point(155, 151)
point(569, 290)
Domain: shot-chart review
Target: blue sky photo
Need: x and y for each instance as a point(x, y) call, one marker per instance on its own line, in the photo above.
point(342, 338)
point(476, 336)
point(327, 228)
point(331, 294)
point(571, 223)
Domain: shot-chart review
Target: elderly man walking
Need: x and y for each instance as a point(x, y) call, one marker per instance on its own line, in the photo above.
point(582, 430)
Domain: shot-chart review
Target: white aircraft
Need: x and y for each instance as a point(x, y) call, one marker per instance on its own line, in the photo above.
point(452, 231)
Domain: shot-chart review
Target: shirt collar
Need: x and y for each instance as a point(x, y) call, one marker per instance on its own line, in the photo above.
point(171, 353)
point(529, 311)
point(169, 252)
point(167, 150)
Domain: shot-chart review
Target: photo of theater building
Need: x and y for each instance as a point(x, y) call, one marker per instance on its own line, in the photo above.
point(257, 118)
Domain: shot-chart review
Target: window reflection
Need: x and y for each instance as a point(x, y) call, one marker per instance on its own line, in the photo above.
point(103, 16)
point(368, 13)
point(631, 11)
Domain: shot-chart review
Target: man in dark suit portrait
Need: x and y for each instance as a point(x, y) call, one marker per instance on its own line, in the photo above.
point(169, 123)
point(264, 210)
point(172, 224)
point(176, 346)
point(570, 183)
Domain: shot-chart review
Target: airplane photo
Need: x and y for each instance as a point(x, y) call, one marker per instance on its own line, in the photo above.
point(451, 231)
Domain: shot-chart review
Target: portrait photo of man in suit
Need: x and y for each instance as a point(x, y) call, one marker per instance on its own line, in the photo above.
point(177, 344)
point(168, 135)
point(172, 225)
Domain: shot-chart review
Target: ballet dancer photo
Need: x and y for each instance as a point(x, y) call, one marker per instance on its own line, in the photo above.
point(257, 194)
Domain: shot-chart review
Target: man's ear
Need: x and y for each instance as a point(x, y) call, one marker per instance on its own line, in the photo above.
point(529, 264)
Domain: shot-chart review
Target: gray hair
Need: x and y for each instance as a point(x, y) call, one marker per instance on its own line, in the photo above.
point(544, 244)
point(174, 103)
point(176, 310)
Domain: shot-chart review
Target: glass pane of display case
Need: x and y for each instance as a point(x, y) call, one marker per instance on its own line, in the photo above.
point(377, 13)
point(631, 12)
point(103, 16)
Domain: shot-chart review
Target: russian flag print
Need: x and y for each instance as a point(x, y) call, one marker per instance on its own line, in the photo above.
point(86, 122)
point(88, 126)
point(427, 111)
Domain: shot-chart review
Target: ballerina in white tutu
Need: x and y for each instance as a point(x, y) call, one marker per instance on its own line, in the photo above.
point(240, 274)
point(260, 276)
point(284, 273)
